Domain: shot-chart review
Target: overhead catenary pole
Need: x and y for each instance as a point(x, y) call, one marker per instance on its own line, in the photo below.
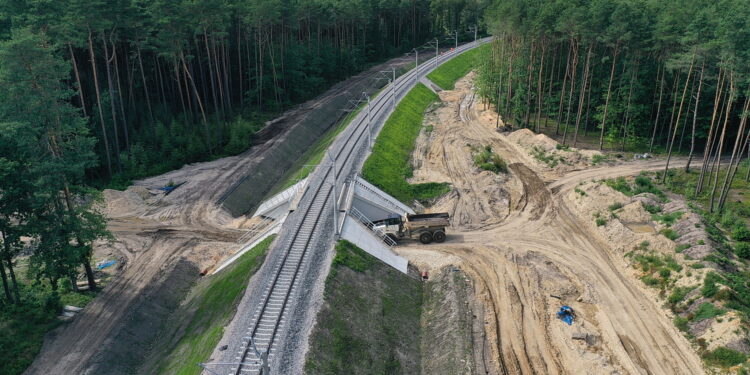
point(416, 65)
point(393, 88)
point(334, 197)
point(369, 121)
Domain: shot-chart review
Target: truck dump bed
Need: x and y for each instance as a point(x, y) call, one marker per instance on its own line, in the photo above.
point(436, 220)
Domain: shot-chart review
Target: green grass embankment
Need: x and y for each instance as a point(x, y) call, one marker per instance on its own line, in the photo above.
point(196, 327)
point(388, 166)
point(447, 74)
point(370, 319)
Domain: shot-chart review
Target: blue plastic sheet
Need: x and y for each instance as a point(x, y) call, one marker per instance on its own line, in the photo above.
point(566, 314)
point(106, 264)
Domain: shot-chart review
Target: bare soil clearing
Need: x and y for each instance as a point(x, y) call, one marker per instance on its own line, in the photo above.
point(522, 240)
point(156, 233)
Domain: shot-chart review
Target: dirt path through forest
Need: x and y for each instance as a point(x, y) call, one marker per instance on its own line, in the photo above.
point(529, 254)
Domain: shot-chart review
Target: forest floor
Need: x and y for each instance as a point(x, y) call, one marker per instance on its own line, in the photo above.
point(530, 249)
point(162, 243)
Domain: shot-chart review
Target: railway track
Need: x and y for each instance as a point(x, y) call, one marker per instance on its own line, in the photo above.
point(269, 318)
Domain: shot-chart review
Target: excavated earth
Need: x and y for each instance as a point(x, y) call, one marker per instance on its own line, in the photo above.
point(528, 251)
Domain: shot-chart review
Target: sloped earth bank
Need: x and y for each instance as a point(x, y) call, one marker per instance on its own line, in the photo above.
point(162, 242)
point(528, 253)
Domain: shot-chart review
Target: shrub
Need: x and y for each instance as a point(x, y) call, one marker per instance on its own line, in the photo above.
point(669, 233)
point(682, 247)
point(580, 192)
point(681, 323)
point(600, 221)
point(667, 219)
point(490, 161)
point(596, 159)
point(652, 209)
point(710, 288)
point(740, 232)
point(665, 272)
point(742, 250)
point(621, 185)
point(724, 357)
point(707, 310)
point(562, 147)
point(678, 294)
point(615, 206)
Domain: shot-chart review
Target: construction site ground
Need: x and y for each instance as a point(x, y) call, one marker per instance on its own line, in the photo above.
point(529, 249)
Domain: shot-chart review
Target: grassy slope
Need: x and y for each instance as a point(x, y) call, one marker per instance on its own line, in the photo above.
point(197, 326)
point(447, 74)
point(388, 165)
point(370, 320)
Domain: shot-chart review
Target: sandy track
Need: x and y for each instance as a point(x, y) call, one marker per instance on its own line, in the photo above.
point(540, 249)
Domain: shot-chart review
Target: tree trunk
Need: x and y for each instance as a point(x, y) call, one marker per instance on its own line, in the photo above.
point(4, 276)
point(609, 94)
point(721, 141)
point(145, 84)
point(540, 85)
point(119, 93)
point(107, 62)
point(562, 91)
point(679, 113)
point(99, 106)
point(78, 80)
point(695, 119)
point(572, 88)
point(710, 140)
point(200, 103)
point(582, 94)
point(658, 109)
point(738, 147)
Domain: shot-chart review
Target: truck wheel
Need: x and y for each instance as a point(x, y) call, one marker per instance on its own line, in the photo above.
point(425, 238)
point(439, 236)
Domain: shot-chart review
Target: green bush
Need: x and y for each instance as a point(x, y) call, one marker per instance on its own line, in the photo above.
point(596, 159)
point(652, 209)
point(707, 310)
point(682, 247)
point(710, 288)
point(669, 233)
point(615, 206)
point(741, 233)
point(490, 161)
point(742, 250)
point(679, 293)
point(724, 357)
point(681, 323)
point(388, 165)
point(667, 219)
point(600, 221)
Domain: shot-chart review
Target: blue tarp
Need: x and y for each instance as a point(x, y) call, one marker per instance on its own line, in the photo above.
point(566, 314)
point(106, 264)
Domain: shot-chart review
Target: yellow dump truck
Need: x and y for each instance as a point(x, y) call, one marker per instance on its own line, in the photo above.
point(425, 227)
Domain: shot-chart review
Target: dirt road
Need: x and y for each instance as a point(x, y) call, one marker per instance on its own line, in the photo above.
point(529, 254)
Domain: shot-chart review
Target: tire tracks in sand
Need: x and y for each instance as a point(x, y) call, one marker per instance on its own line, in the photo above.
point(533, 254)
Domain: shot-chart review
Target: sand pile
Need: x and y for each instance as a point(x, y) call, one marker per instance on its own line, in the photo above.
point(548, 154)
